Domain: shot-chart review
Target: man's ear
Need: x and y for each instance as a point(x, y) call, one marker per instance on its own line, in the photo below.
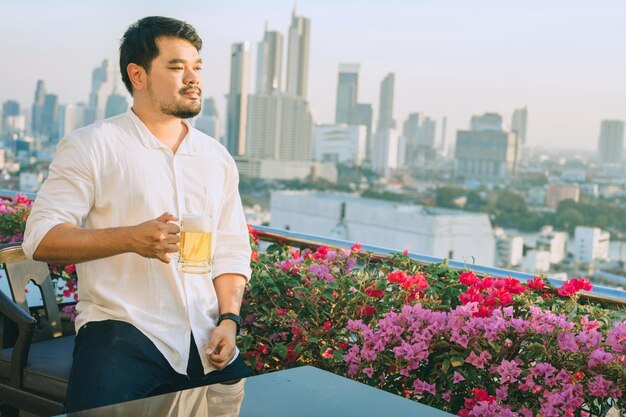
point(138, 76)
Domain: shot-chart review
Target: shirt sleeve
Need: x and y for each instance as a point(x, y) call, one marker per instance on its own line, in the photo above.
point(65, 197)
point(232, 250)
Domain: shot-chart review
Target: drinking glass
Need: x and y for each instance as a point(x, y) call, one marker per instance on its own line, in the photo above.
point(196, 242)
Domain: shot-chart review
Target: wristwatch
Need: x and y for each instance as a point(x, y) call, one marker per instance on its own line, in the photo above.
point(230, 316)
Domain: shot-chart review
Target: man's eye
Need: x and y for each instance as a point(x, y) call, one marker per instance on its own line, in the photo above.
point(176, 68)
point(198, 68)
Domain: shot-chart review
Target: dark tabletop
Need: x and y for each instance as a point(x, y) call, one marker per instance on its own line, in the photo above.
point(301, 392)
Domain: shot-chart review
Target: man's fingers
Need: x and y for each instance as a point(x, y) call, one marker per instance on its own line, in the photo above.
point(166, 217)
point(164, 257)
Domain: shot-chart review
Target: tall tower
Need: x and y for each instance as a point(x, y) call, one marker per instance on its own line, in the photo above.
point(611, 142)
point(298, 56)
point(385, 108)
point(237, 98)
point(209, 121)
point(518, 124)
point(102, 86)
point(347, 90)
point(38, 108)
point(269, 62)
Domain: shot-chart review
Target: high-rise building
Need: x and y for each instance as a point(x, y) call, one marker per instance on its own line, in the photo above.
point(37, 109)
point(50, 117)
point(611, 142)
point(362, 115)
point(518, 124)
point(72, 117)
point(340, 144)
point(419, 133)
point(298, 56)
point(269, 62)
point(237, 99)
point(486, 151)
point(385, 109)
point(385, 151)
point(347, 92)
point(209, 121)
point(102, 86)
point(280, 127)
point(486, 154)
point(116, 104)
point(486, 122)
point(443, 143)
point(10, 108)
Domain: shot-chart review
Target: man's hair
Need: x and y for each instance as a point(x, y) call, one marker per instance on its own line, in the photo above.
point(138, 46)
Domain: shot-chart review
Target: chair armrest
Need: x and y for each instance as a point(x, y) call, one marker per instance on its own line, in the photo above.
point(26, 327)
point(14, 313)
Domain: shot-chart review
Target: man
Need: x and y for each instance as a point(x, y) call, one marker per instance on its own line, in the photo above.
point(114, 192)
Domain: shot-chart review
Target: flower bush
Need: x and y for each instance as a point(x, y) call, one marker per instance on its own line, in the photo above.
point(470, 345)
point(473, 346)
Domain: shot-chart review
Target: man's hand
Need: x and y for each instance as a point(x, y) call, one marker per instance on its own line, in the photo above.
point(221, 348)
point(156, 238)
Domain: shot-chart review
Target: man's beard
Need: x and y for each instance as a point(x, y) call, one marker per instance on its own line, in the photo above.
point(181, 111)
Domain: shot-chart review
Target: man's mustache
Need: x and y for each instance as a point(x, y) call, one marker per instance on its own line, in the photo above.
point(187, 89)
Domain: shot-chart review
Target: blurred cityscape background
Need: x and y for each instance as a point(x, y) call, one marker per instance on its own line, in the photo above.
point(491, 133)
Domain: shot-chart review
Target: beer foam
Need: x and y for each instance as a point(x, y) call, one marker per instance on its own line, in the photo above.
point(196, 223)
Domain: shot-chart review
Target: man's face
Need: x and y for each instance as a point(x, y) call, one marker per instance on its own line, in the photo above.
point(174, 81)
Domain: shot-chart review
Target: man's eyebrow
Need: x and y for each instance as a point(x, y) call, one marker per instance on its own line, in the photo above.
point(182, 61)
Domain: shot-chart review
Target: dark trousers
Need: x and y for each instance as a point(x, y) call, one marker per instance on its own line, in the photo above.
point(114, 362)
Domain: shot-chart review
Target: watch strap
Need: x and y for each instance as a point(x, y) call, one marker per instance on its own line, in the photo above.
point(230, 316)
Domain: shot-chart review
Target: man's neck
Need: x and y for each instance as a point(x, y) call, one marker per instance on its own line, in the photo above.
point(169, 130)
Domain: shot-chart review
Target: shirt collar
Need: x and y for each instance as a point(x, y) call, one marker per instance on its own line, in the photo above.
point(187, 146)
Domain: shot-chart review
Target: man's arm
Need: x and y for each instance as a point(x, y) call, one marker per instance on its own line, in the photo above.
point(221, 348)
point(66, 243)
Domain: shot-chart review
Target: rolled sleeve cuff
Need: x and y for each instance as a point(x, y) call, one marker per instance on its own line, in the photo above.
point(34, 234)
point(232, 266)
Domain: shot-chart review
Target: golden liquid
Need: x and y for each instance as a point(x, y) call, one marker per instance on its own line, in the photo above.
point(195, 246)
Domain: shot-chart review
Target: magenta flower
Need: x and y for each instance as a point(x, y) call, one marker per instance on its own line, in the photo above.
point(599, 386)
point(479, 360)
point(457, 377)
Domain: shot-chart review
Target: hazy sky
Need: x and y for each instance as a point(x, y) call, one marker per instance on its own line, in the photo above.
point(563, 59)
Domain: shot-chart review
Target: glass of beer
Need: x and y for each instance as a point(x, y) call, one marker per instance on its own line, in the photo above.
point(196, 238)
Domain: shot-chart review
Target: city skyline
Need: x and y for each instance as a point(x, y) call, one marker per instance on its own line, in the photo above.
point(449, 58)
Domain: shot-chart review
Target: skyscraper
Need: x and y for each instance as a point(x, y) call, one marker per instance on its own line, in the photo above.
point(298, 56)
point(518, 124)
point(385, 109)
point(50, 117)
point(385, 151)
point(347, 91)
point(269, 62)
point(486, 122)
point(209, 121)
point(443, 143)
point(280, 127)
point(237, 99)
point(115, 104)
point(611, 142)
point(419, 133)
point(71, 117)
point(487, 151)
point(10, 108)
point(102, 86)
point(37, 109)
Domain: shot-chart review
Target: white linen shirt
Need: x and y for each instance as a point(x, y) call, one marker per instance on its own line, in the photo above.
point(116, 173)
